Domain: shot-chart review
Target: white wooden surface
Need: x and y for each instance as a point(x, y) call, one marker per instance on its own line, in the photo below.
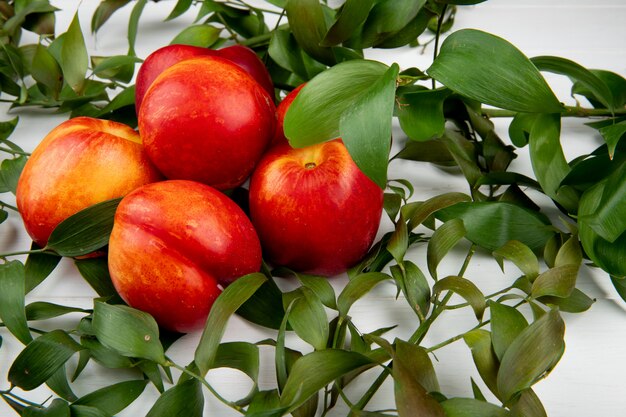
point(591, 376)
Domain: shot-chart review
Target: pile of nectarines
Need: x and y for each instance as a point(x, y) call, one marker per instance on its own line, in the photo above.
point(207, 124)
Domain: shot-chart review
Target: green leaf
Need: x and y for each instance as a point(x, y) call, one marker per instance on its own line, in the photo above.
point(421, 113)
point(224, 306)
point(558, 281)
point(418, 212)
point(197, 35)
point(114, 398)
point(38, 267)
point(133, 24)
point(321, 287)
point(521, 255)
point(491, 224)
point(365, 127)
point(414, 286)
point(352, 14)
point(576, 302)
point(506, 324)
point(386, 19)
point(528, 405)
point(265, 306)
point(466, 289)
point(399, 240)
point(181, 7)
point(314, 116)
point(85, 231)
point(185, 399)
point(443, 239)
point(612, 134)
point(520, 127)
point(103, 12)
point(96, 272)
point(10, 171)
point(356, 288)
point(6, 128)
point(548, 160)
point(46, 70)
point(489, 69)
point(74, 57)
point(307, 23)
point(307, 317)
point(242, 356)
point(128, 331)
point(12, 302)
point(487, 364)
point(315, 370)
point(42, 310)
point(41, 359)
point(615, 82)
point(533, 353)
point(469, 407)
point(57, 408)
point(416, 361)
point(118, 67)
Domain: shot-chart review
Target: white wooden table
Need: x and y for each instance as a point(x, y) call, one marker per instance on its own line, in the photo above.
point(591, 377)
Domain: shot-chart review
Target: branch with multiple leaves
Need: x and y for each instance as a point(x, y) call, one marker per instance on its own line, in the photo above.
point(358, 100)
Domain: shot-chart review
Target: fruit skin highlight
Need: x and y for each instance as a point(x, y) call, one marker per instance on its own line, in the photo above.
point(81, 162)
point(163, 58)
point(205, 119)
point(172, 244)
point(313, 208)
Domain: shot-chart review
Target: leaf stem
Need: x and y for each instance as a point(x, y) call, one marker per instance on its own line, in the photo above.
point(23, 252)
point(9, 206)
point(13, 151)
point(568, 111)
point(437, 35)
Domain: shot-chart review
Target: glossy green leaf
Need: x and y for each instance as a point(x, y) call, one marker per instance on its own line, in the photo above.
point(442, 241)
point(414, 286)
point(46, 70)
point(41, 359)
point(197, 35)
point(223, 308)
point(615, 82)
point(521, 256)
point(308, 317)
point(398, 243)
point(520, 127)
point(6, 128)
point(10, 171)
point(181, 7)
point(315, 114)
point(12, 302)
point(316, 283)
point(528, 405)
point(96, 272)
point(117, 67)
point(185, 399)
point(265, 404)
point(356, 288)
point(418, 212)
point(489, 69)
point(130, 332)
point(577, 73)
point(103, 12)
point(125, 98)
point(352, 14)
point(38, 267)
point(365, 127)
point(57, 408)
point(242, 356)
point(492, 224)
point(308, 25)
point(133, 24)
point(85, 231)
point(469, 407)
point(466, 289)
point(464, 152)
point(315, 370)
point(105, 356)
point(535, 351)
point(612, 135)
point(576, 302)
point(415, 359)
point(421, 113)
point(114, 398)
point(485, 359)
point(548, 160)
point(265, 306)
point(286, 52)
point(558, 281)
point(387, 18)
point(74, 59)
point(433, 151)
point(43, 310)
point(506, 324)
point(570, 253)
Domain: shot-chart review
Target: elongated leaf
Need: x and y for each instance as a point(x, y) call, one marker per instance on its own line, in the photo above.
point(114, 398)
point(487, 363)
point(492, 224)
point(46, 70)
point(181, 7)
point(10, 171)
point(185, 399)
point(85, 231)
point(306, 20)
point(399, 241)
point(41, 359)
point(242, 356)
point(576, 302)
point(104, 11)
point(469, 407)
point(413, 284)
point(548, 160)
point(528, 405)
point(197, 35)
point(357, 288)
point(224, 306)
point(314, 371)
point(321, 287)
point(490, 70)
point(38, 267)
point(506, 324)
point(133, 23)
point(352, 15)
point(12, 302)
point(558, 281)
point(74, 58)
point(421, 113)
point(442, 240)
point(308, 317)
point(366, 127)
point(612, 135)
point(615, 82)
point(534, 352)
point(314, 115)
point(521, 255)
point(96, 272)
point(265, 306)
point(387, 18)
point(418, 212)
point(42, 310)
point(57, 408)
point(416, 360)
point(466, 289)
point(129, 331)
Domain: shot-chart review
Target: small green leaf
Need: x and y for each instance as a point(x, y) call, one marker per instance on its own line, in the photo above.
point(413, 284)
point(365, 127)
point(388, 18)
point(315, 114)
point(357, 288)
point(576, 302)
point(224, 306)
point(528, 405)
point(114, 398)
point(321, 287)
point(197, 35)
point(315, 370)
point(242, 356)
point(306, 20)
point(533, 353)
point(489, 69)
point(104, 11)
point(181, 7)
point(612, 135)
point(130, 332)
point(506, 324)
point(418, 212)
point(521, 255)
point(415, 359)
point(469, 407)
point(466, 289)
point(433, 151)
point(42, 310)
point(10, 171)
point(41, 359)
point(487, 364)
point(265, 306)
point(6, 128)
point(133, 24)
point(615, 82)
point(558, 281)
point(399, 242)
point(185, 399)
point(352, 14)
point(38, 267)
point(307, 317)
point(12, 302)
point(74, 57)
point(421, 113)
point(85, 231)
point(442, 241)
point(57, 408)
point(46, 70)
